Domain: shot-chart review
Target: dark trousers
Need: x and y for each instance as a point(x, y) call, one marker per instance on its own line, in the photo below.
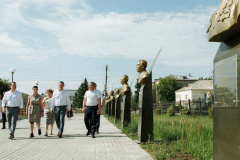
point(60, 117)
point(12, 117)
point(90, 118)
point(98, 122)
point(4, 120)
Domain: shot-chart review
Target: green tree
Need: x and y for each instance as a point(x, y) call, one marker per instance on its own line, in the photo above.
point(135, 98)
point(4, 86)
point(166, 88)
point(78, 97)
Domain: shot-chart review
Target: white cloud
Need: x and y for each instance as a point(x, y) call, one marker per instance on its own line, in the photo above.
point(17, 48)
point(78, 31)
point(136, 36)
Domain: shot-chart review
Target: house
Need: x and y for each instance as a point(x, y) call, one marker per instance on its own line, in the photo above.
point(194, 91)
point(71, 93)
point(183, 80)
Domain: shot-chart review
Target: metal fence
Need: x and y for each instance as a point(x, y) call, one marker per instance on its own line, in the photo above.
point(195, 107)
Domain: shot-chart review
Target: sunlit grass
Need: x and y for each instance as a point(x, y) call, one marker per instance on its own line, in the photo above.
point(187, 136)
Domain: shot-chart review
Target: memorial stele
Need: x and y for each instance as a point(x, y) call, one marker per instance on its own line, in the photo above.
point(224, 27)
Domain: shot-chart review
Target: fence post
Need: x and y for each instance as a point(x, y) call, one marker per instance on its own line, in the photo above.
point(189, 105)
point(181, 107)
point(200, 105)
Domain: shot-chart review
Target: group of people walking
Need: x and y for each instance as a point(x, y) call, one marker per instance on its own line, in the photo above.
point(57, 103)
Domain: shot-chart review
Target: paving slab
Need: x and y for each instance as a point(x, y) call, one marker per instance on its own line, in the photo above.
point(110, 144)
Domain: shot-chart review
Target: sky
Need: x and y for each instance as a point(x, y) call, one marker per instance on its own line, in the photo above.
point(68, 40)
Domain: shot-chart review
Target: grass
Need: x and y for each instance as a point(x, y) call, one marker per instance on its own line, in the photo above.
point(179, 137)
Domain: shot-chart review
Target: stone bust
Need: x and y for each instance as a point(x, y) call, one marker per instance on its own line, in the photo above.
point(125, 87)
point(107, 98)
point(111, 96)
point(117, 91)
point(143, 74)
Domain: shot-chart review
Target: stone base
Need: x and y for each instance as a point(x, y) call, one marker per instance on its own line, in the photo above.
point(226, 140)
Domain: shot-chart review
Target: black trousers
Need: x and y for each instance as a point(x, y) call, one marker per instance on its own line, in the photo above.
point(98, 122)
point(90, 118)
point(4, 119)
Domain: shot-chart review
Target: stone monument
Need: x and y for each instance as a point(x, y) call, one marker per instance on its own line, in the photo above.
point(225, 28)
point(112, 103)
point(145, 122)
point(126, 97)
point(106, 104)
point(117, 105)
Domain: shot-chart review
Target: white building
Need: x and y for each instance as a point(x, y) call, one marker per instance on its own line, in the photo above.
point(71, 93)
point(194, 91)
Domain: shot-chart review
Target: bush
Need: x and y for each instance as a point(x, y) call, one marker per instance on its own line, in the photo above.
point(158, 111)
point(185, 110)
point(171, 111)
point(211, 111)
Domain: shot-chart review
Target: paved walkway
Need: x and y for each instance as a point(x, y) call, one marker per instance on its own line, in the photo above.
point(110, 144)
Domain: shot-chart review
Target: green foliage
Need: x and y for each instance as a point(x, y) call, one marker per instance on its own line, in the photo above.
point(182, 137)
point(158, 111)
point(185, 110)
point(135, 98)
point(211, 111)
point(171, 111)
point(166, 88)
point(4, 86)
point(209, 78)
point(78, 97)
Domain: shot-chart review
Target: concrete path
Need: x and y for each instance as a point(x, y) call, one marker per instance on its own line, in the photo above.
point(110, 144)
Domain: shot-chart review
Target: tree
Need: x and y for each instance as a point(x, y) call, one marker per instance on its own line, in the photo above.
point(209, 78)
point(78, 97)
point(166, 88)
point(135, 98)
point(4, 86)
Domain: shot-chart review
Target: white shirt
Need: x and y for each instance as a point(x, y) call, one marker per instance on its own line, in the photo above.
point(12, 99)
point(92, 97)
point(60, 98)
point(100, 93)
point(0, 109)
point(47, 104)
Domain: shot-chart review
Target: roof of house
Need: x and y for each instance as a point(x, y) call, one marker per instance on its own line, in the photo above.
point(199, 85)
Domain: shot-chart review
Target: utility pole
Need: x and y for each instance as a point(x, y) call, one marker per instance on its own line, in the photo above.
point(105, 88)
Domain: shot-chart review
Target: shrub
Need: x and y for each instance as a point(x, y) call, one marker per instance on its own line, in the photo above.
point(211, 111)
point(185, 110)
point(158, 111)
point(171, 111)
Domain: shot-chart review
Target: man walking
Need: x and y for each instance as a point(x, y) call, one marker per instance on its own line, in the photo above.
point(13, 103)
point(98, 111)
point(60, 101)
point(91, 103)
point(3, 115)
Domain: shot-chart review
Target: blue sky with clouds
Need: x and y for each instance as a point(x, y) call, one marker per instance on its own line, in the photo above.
point(52, 40)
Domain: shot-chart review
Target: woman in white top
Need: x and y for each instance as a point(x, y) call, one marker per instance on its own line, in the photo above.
point(47, 111)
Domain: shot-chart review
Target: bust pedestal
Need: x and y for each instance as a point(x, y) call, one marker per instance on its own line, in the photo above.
point(145, 122)
point(126, 113)
point(226, 129)
point(117, 109)
point(113, 107)
point(109, 109)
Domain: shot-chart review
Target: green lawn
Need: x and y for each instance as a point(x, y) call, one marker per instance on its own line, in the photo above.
point(177, 137)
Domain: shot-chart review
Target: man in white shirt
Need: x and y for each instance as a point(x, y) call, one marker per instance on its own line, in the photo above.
point(13, 103)
point(98, 112)
point(92, 102)
point(60, 100)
